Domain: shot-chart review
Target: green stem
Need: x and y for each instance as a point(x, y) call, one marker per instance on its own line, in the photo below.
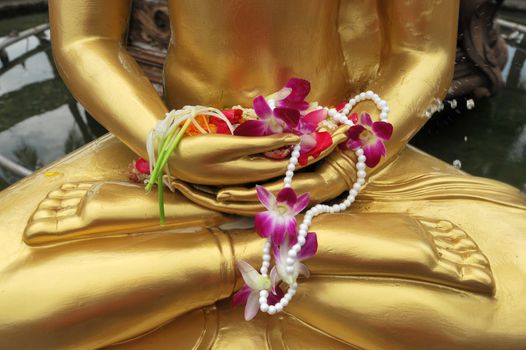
point(160, 193)
point(167, 147)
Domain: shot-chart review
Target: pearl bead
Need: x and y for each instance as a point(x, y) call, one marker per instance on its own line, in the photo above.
point(352, 102)
point(361, 181)
point(295, 154)
point(264, 270)
point(304, 226)
point(271, 310)
point(353, 193)
point(284, 302)
point(302, 232)
point(360, 174)
point(296, 247)
point(343, 207)
point(383, 104)
point(291, 167)
point(369, 94)
point(347, 203)
point(359, 152)
point(383, 116)
point(292, 254)
point(289, 174)
point(266, 257)
point(262, 300)
point(264, 307)
point(362, 95)
point(361, 159)
point(289, 269)
point(263, 293)
point(294, 161)
point(360, 166)
point(356, 186)
point(290, 261)
point(287, 182)
point(301, 239)
point(279, 307)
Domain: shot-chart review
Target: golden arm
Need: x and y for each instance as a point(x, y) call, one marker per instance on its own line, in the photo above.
point(416, 66)
point(88, 46)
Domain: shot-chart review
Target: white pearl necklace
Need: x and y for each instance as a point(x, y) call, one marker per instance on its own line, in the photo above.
point(318, 209)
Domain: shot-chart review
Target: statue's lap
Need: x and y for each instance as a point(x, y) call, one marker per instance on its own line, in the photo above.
point(493, 214)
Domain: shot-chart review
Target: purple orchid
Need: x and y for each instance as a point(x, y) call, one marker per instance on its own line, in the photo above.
point(280, 218)
point(279, 272)
point(277, 121)
point(370, 136)
point(292, 95)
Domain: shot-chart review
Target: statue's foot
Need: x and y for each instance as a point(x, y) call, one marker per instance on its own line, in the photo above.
point(457, 258)
point(401, 246)
point(80, 210)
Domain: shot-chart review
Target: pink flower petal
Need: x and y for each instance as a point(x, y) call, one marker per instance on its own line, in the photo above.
point(290, 231)
point(310, 247)
point(355, 131)
point(281, 226)
point(296, 99)
point(252, 307)
point(373, 153)
point(365, 119)
point(315, 117)
point(383, 130)
point(264, 223)
point(288, 196)
point(241, 296)
point(301, 203)
point(275, 296)
point(261, 107)
point(265, 197)
point(291, 117)
point(252, 128)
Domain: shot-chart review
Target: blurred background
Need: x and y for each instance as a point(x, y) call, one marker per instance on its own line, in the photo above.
point(480, 127)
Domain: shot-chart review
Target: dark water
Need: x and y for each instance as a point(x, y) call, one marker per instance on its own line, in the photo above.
point(40, 121)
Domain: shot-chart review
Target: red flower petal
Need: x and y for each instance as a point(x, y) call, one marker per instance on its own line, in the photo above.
point(323, 141)
point(142, 166)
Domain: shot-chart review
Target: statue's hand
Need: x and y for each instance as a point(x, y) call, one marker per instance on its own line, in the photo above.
point(216, 159)
point(335, 174)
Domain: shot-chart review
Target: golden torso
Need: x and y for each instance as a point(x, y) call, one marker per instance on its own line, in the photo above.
point(424, 249)
point(227, 52)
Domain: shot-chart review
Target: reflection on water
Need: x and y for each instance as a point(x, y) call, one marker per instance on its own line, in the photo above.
point(40, 121)
point(489, 140)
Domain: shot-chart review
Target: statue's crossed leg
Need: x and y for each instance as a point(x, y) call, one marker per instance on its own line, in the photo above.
point(394, 244)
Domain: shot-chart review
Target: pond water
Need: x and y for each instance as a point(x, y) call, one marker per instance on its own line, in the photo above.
point(40, 121)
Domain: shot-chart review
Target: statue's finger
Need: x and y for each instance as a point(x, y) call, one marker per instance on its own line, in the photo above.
point(208, 201)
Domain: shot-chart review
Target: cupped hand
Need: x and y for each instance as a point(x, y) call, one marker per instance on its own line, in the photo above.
point(217, 159)
point(334, 175)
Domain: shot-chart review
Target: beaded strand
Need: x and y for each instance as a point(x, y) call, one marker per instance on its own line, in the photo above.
point(340, 117)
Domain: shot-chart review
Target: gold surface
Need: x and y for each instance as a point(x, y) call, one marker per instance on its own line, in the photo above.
point(428, 257)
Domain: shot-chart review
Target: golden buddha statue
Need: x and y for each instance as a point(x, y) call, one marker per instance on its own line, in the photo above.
point(428, 256)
